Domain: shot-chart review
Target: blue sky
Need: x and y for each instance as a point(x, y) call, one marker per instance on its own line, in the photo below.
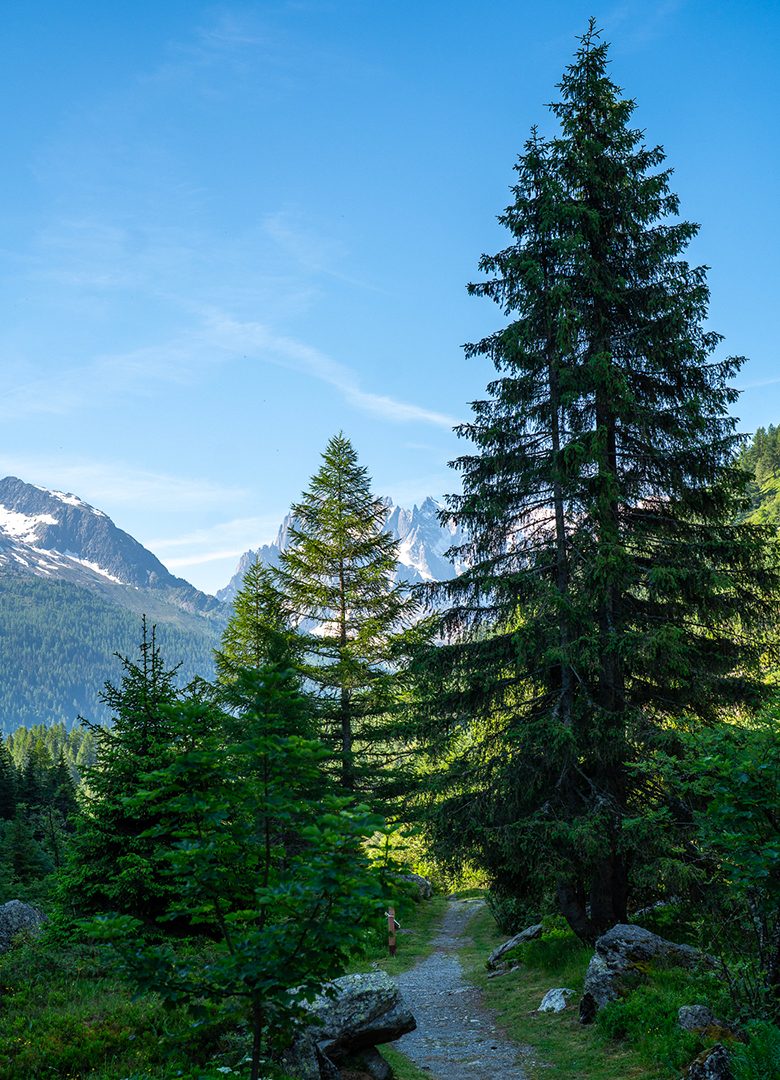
point(229, 231)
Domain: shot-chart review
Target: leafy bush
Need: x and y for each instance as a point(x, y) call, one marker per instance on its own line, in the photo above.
point(511, 914)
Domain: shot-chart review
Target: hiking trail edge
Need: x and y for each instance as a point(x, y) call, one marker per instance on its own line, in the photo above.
point(456, 1036)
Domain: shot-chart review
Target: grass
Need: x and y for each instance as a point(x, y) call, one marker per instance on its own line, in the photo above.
point(558, 1044)
point(403, 1068)
point(419, 924)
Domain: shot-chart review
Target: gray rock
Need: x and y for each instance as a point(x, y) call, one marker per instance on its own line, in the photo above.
point(529, 934)
point(17, 918)
point(696, 1018)
point(357, 1013)
point(713, 1064)
point(555, 1000)
point(618, 962)
point(424, 887)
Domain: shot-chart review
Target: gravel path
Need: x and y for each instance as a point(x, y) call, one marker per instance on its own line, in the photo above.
point(456, 1036)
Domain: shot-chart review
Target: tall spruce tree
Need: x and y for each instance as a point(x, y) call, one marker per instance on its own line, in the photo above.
point(607, 590)
point(337, 576)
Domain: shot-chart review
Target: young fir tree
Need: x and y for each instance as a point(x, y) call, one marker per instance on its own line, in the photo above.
point(258, 632)
point(260, 857)
point(112, 865)
point(607, 590)
point(337, 576)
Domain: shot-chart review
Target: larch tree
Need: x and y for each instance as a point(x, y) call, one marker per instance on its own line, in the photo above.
point(608, 590)
point(337, 576)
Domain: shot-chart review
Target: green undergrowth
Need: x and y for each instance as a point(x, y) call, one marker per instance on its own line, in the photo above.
point(403, 1068)
point(634, 1039)
point(68, 1014)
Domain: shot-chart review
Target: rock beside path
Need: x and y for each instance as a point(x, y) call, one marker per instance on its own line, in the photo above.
point(420, 885)
point(555, 1000)
point(16, 918)
point(618, 962)
point(358, 1013)
point(529, 934)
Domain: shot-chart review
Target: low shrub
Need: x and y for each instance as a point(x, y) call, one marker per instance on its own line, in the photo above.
point(759, 1059)
point(647, 1017)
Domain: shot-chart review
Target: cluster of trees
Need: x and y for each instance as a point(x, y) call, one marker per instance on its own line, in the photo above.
point(37, 806)
point(583, 716)
point(240, 813)
point(59, 642)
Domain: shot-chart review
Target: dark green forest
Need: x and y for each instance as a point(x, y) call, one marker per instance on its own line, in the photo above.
point(59, 643)
point(583, 727)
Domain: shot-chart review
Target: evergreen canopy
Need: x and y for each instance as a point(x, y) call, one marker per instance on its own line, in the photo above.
point(337, 576)
point(607, 589)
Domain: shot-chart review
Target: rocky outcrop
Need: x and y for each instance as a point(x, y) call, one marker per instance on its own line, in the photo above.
point(356, 1014)
point(18, 918)
point(619, 963)
point(713, 1064)
point(555, 1000)
point(496, 958)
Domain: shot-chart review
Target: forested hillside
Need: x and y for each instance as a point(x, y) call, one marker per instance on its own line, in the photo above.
point(58, 643)
point(761, 458)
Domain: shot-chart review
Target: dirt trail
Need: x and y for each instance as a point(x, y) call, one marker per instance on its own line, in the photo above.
point(456, 1036)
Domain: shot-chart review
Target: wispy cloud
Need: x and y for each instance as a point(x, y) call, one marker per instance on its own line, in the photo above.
point(759, 383)
point(225, 539)
point(636, 23)
point(279, 349)
point(217, 339)
point(310, 249)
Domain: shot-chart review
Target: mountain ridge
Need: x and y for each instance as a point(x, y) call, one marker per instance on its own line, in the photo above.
point(422, 543)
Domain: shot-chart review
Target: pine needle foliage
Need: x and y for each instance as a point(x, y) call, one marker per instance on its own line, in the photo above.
point(607, 587)
point(112, 864)
point(337, 576)
point(258, 632)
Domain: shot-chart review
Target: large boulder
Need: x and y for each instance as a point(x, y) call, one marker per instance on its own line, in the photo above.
point(496, 958)
point(17, 918)
point(696, 1018)
point(353, 1016)
point(620, 961)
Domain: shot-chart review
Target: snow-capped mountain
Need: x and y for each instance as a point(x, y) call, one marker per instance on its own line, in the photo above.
point(73, 588)
point(422, 543)
point(56, 535)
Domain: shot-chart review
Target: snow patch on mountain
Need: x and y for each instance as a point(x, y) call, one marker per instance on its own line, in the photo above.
point(24, 527)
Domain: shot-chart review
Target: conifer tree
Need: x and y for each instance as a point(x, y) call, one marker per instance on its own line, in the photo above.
point(337, 576)
point(259, 631)
point(112, 864)
point(607, 590)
